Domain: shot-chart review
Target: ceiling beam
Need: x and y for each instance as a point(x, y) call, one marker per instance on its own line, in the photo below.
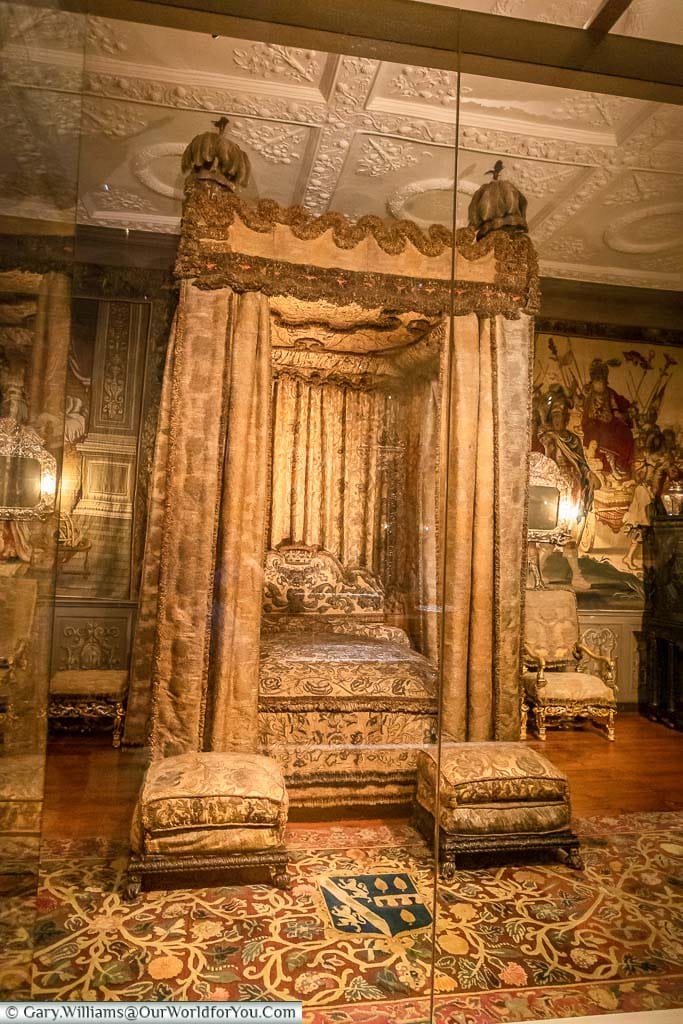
point(607, 17)
point(430, 35)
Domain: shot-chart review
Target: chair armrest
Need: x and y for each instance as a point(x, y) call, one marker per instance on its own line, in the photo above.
point(608, 674)
point(538, 662)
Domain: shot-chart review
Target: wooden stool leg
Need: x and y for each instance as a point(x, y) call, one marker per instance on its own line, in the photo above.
point(278, 876)
point(132, 885)
point(447, 871)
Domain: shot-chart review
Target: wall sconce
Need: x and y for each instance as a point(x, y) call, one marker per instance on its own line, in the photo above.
point(28, 473)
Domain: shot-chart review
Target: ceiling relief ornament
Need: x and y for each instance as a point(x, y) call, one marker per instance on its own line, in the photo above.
point(24, 25)
point(108, 197)
point(208, 98)
point(594, 180)
point(324, 174)
point(114, 120)
point(593, 109)
point(275, 142)
point(639, 186)
point(384, 156)
point(426, 84)
point(570, 248)
point(271, 60)
point(105, 36)
point(352, 84)
point(539, 180)
point(657, 228)
point(70, 117)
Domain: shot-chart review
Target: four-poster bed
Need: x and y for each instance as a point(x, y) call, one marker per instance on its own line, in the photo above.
point(329, 389)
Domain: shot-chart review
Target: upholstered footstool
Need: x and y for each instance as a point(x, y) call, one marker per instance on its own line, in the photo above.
point(203, 813)
point(85, 699)
point(493, 797)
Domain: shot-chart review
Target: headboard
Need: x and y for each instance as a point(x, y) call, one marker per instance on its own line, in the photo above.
point(302, 580)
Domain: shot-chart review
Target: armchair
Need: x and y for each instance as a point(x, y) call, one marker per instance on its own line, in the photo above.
point(563, 677)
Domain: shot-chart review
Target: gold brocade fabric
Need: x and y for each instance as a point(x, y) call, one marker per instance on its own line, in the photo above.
point(566, 687)
point(342, 667)
point(91, 683)
point(351, 728)
point(484, 526)
point(475, 773)
point(210, 802)
point(50, 356)
point(551, 625)
point(344, 706)
point(494, 789)
point(197, 635)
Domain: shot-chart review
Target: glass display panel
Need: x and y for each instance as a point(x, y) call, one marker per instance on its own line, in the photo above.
point(275, 590)
point(522, 826)
point(38, 191)
point(313, 535)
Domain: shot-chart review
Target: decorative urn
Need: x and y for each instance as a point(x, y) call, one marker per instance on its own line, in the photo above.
point(497, 205)
point(214, 156)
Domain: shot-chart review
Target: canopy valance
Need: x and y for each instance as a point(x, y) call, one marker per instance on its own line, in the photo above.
point(228, 242)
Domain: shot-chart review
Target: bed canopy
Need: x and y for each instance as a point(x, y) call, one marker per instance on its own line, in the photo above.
point(305, 353)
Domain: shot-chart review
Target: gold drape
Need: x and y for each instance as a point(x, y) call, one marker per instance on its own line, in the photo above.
point(418, 568)
point(485, 526)
point(327, 477)
point(197, 637)
point(50, 358)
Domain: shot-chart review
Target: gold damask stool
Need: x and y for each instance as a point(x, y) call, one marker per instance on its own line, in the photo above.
point(493, 798)
point(567, 676)
point(208, 813)
point(86, 699)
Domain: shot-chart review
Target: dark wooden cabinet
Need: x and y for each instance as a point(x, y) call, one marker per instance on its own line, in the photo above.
point(661, 639)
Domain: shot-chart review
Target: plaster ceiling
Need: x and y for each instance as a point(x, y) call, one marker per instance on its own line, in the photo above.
point(646, 19)
point(603, 175)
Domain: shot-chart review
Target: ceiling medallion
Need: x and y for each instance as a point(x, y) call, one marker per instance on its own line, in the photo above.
point(622, 234)
point(402, 203)
point(141, 165)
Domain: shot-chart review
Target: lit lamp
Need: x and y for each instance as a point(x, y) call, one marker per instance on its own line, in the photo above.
point(569, 513)
point(28, 473)
point(553, 513)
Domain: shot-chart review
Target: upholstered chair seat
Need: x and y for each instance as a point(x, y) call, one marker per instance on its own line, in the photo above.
point(565, 676)
point(570, 687)
point(492, 797)
point(88, 698)
point(209, 811)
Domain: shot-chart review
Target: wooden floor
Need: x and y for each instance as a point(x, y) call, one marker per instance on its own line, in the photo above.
point(91, 788)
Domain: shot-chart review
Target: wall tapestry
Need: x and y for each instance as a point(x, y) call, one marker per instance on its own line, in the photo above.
point(610, 413)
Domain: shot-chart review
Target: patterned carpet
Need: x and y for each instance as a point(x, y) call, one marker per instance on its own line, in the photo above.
point(353, 937)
